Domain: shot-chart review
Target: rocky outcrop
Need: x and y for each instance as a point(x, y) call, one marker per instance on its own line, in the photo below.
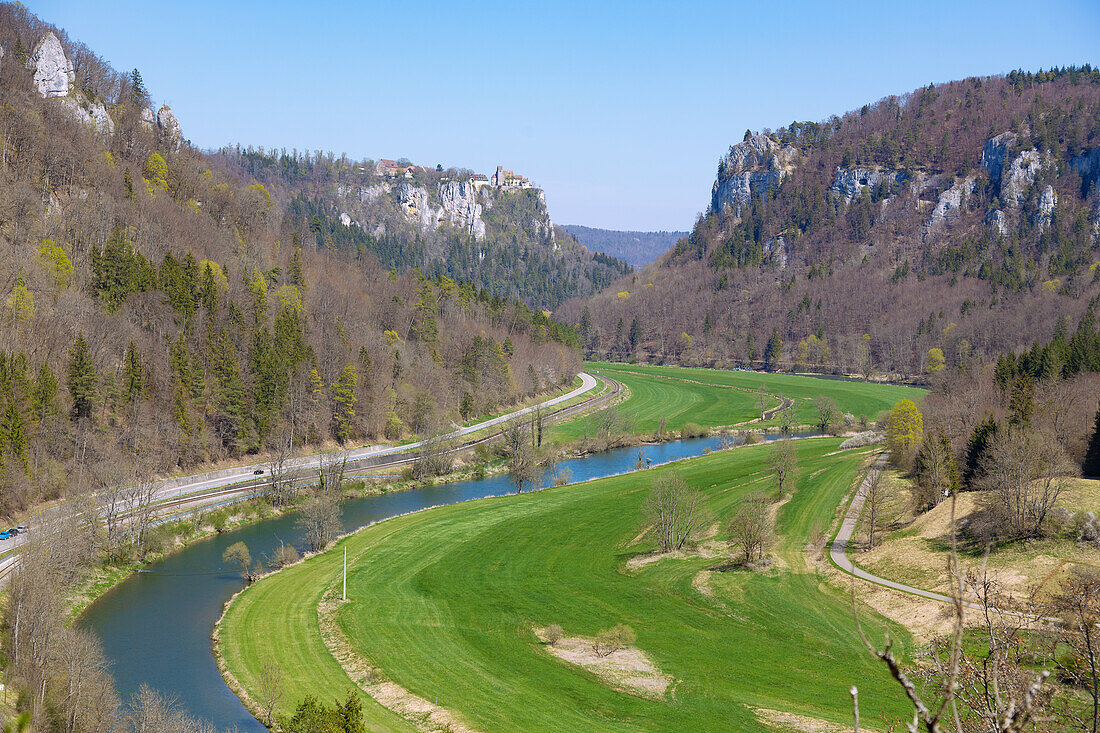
point(53, 72)
point(995, 220)
point(416, 204)
point(950, 203)
point(1019, 176)
point(459, 207)
point(995, 152)
point(848, 182)
point(776, 251)
point(1087, 166)
point(365, 194)
point(1, 55)
point(102, 119)
point(148, 119)
point(169, 127)
point(750, 167)
point(1048, 199)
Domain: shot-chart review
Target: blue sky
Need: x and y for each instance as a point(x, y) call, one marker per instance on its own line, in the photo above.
point(619, 110)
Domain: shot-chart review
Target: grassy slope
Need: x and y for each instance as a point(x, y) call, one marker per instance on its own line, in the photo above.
point(714, 398)
point(445, 600)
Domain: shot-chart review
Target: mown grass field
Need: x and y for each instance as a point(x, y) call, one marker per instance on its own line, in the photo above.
point(445, 602)
point(714, 398)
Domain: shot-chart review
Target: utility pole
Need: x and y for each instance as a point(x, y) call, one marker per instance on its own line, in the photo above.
point(344, 595)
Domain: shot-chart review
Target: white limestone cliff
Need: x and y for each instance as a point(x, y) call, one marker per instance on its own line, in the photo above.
point(53, 72)
point(752, 166)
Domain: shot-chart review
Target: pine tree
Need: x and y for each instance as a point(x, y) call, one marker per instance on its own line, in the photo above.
point(635, 333)
point(82, 379)
point(13, 433)
point(1091, 466)
point(976, 448)
point(228, 393)
point(139, 95)
point(44, 393)
point(343, 404)
point(297, 273)
point(133, 375)
point(773, 351)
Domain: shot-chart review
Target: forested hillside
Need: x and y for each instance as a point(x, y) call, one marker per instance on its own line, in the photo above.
point(958, 220)
point(637, 248)
point(162, 308)
point(444, 221)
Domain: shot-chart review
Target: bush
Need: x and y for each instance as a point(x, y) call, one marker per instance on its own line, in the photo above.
point(553, 634)
point(611, 640)
point(562, 477)
point(693, 430)
point(285, 555)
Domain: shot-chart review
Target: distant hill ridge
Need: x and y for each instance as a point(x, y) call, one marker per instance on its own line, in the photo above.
point(637, 248)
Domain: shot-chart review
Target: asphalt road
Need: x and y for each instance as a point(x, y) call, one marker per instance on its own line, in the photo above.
point(204, 487)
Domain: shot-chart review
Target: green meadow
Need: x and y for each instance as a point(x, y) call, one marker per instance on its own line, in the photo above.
point(445, 602)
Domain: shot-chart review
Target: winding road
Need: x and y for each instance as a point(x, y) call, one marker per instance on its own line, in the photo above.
point(229, 484)
point(838, 551)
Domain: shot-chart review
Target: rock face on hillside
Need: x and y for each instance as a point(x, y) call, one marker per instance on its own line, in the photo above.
point(1019, 177)
point(1, 56)
point(53, 72)
point(848, 182)
point(994, 153)
point(752, 166)
point(102, 120)
point(148, 118)
point(995, 220)
point(950, 203)
point(169, 127)
point(458, 206)
point(1047, 201)
point(1087, 166)
point(1013, 174)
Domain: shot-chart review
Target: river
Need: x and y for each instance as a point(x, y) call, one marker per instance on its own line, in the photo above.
point(155, 626)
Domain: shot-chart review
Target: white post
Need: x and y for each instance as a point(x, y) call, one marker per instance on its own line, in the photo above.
point(344, 595)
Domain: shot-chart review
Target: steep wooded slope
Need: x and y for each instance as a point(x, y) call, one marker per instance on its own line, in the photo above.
point(961, 217)
point(161, 309)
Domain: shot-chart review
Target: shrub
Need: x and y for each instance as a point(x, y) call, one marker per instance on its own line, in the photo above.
point(553, 634)
point(693, 430)
point(611, 640)
point(285, 555)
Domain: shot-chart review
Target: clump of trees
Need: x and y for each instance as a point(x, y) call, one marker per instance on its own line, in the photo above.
point(314, 716)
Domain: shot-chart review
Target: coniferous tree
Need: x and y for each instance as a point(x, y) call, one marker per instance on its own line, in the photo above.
point(773, 351)
point(133, 374)
point(82, 379)
point(343, 404)
point(139, 95)
point(13, 433)
point(228, 393)
point(976, 448)
point(1091, 466)
point(44, 393)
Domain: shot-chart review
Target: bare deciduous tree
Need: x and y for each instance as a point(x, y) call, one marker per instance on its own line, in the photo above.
point(751, 527)
point(783, 461)
point(1078, 606)
point(676, 512)
point(1025, 471)
point(269, 690)
point(319, 519)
